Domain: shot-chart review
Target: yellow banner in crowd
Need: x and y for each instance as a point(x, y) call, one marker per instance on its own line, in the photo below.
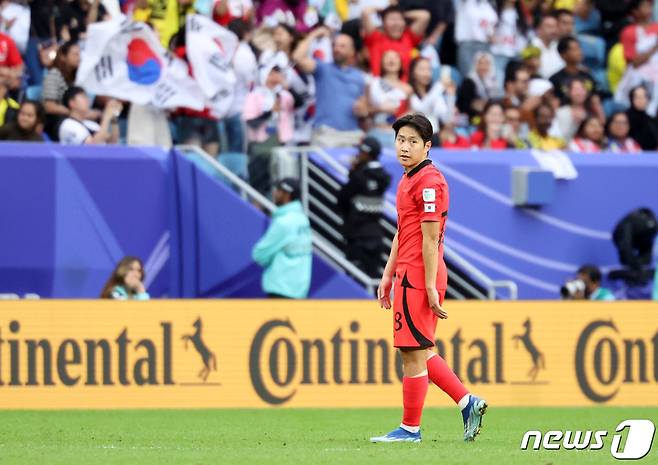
point(232, 353)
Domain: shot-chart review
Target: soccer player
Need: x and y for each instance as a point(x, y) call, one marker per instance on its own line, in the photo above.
point(416, 262)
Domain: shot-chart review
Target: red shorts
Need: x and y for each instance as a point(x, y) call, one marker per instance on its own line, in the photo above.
point(414, 322)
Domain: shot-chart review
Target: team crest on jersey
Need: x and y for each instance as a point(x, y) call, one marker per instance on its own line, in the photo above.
point(430, 208)
point(429, 195)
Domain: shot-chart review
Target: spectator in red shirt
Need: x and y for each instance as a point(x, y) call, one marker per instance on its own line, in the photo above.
point(395, 35)
point(11, 63)
point(490, 133)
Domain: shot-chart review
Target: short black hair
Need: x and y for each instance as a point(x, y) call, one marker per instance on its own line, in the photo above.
point(70, 94)
point(419, 122)
point(512, 69)
point(391, 9)
point(239, 27)
point(564, 43)
point(561, 12)
point(592, 272)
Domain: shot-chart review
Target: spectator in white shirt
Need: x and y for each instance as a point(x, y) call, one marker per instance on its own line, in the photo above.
point(389, 96)
point(511, 35)
point(76, 130)
point(245, 66)
point(435, 100)
point(474, 30)
point(546, 41)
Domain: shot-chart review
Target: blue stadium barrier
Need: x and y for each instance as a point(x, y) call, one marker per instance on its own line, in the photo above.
point(70, 213)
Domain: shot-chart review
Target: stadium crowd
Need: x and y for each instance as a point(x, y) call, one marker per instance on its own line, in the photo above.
point(561, 74)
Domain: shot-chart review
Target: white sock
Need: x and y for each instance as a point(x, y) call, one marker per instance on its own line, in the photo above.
point(464, 401)
point(411, 429)
point(419, 375)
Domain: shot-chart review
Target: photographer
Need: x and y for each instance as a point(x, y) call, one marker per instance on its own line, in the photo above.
point(586, 286)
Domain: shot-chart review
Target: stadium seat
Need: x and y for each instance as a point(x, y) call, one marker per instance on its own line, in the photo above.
point(593, 51)
point(601, 78)
point(592, 24)
point(237, 163)
point(33, 93)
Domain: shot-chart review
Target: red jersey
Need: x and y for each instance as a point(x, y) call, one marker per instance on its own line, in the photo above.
point(377, 43)
point(9, 54)
point(422, 196)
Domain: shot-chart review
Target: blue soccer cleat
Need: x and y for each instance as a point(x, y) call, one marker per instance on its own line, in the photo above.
point(472, 416)
point(398, 435)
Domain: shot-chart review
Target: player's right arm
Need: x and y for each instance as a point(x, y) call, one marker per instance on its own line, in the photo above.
point(384, 290)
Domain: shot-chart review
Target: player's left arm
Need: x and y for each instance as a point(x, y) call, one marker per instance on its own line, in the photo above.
point(431, 236)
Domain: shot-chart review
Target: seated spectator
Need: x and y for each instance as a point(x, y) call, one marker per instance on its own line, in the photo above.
point(515, 130)
point(546, 41)
point(76, 130)
point(479, 87)
point(286, 249)
point(565, 23)
point(570, 51)
point(617, 129)
point(490, 132)
point(449, 139)
point(56, 81)
point(517, 81)
point(8, 106)
point(511, 35)
point(580, 105)
point(389, 97)
point(361, 204)
point(540, 137)
point(340, 91)
point(644, 128)
point(437, 100)
point(268, 113)
point(590, 137)
point(475, 24)
point(126, 281)
point(28, 126)
point(11, 62)
point(395, 35)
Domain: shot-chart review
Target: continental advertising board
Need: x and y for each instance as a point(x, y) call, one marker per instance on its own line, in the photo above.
point(233, 353)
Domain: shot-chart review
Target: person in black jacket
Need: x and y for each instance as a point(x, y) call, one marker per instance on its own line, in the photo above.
point(361, 202)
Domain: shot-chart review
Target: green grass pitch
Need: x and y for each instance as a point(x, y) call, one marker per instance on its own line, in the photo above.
point(303, 436)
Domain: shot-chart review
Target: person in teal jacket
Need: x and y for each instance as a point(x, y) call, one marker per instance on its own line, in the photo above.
point(285, 251)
